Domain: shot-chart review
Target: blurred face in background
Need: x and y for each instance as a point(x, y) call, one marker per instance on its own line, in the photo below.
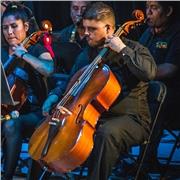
point(77, 9)
point(157, 16)
point(14, 30)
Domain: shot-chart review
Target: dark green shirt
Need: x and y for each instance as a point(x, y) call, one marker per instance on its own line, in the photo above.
point(133, 68)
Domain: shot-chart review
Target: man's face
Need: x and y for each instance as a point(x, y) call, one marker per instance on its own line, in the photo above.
point(77, 9)
point(156, 17)
point(96, 32)
point(14, 30)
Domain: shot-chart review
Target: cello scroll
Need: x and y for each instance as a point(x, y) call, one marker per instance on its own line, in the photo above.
point(126, 27)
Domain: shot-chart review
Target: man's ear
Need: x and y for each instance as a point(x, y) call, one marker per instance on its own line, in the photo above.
point(26, 25)
point(108, 28)
point(170, 11)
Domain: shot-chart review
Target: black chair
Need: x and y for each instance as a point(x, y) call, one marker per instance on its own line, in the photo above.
point(172, 165)
point(156, 97)
point(131, 164)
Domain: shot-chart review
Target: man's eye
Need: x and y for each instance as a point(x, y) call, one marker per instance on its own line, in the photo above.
point(153, 7)
point(83, 8)
point(91, 29)
point(75, 8)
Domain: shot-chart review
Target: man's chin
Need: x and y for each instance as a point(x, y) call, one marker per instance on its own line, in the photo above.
point(94, 45)
point(91, 43)
point(149, 23)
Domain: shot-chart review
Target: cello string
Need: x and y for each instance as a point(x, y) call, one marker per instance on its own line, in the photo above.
point(90, 69)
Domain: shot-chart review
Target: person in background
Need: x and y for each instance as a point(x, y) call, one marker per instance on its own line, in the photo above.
point(32, 74)
point(75, 32)
point(70, 37)
point(162, 38)
point(68, 43)
point(129, 119)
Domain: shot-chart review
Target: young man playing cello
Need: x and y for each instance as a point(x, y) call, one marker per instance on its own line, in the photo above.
point(133, 66)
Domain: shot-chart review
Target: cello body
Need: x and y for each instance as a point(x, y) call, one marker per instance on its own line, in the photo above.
point(74, 140)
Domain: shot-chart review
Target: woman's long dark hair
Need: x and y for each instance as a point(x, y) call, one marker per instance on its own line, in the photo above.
point(20, 11)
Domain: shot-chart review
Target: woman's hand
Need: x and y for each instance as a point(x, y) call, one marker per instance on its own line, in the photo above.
point(18, 50)
point(114, 43)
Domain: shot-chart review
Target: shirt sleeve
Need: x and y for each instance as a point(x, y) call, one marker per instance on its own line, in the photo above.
point(139, 61)
point(37, 50)
point(173, 55)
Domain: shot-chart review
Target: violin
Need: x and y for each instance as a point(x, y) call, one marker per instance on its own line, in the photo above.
point(18, 88)
point(65, 140)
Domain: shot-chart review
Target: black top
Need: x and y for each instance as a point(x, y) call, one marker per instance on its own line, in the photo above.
point(35, 82)
point(66, 33)
point(66, 50)
point(165, 48)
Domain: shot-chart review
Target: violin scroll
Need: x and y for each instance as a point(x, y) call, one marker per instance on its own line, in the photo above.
point(46, 25)
point(36, 36)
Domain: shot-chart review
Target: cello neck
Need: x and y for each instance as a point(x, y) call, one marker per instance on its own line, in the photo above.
point(86, 75)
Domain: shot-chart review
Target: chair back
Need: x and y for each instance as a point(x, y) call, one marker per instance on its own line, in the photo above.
point(156, 96)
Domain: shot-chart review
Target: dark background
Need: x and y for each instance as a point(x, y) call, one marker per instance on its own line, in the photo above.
point(58, 12)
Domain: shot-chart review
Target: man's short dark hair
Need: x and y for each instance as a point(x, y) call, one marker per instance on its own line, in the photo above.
point(100, 11)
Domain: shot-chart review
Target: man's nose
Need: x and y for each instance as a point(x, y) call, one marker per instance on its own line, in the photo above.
point(79, 12)
point(148, 11)
point(86, 32)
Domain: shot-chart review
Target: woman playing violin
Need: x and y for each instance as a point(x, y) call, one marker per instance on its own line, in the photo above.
point(129, 119)
point(38, 65)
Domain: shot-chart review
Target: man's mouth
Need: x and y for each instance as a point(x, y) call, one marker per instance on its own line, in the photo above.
point(88, 39)
point(148, 20)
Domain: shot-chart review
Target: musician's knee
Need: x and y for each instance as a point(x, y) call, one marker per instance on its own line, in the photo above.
point(116, 134)
point(10, 127)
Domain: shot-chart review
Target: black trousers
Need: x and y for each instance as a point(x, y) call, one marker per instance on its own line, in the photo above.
point(113, 138)
point(13, 132)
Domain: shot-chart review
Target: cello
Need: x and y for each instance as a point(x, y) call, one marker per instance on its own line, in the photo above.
point(64, 140)
point(18, 89)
